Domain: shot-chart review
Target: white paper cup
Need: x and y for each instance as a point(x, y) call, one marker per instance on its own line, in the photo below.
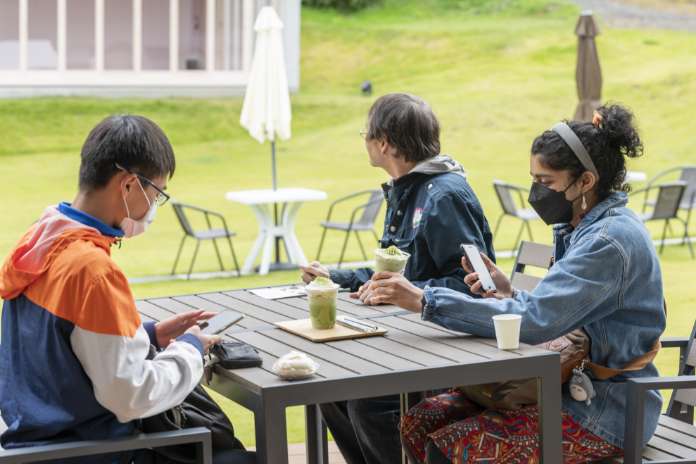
point(507, 331)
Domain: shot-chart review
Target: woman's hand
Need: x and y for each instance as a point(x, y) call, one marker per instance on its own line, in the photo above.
point(502, 283)
point(393, 288)
point(314, 270)
point(175, 326)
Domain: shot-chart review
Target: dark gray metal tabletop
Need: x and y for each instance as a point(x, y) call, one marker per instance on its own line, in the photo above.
point(413, 356)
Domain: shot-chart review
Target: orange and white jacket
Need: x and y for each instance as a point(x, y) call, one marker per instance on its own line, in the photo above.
point(73, 348)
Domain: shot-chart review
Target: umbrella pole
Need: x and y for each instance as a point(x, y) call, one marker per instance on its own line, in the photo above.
point(275, 205)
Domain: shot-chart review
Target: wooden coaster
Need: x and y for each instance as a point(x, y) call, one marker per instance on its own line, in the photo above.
point(303, 328)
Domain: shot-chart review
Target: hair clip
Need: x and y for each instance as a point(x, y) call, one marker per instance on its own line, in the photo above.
point(597, 119)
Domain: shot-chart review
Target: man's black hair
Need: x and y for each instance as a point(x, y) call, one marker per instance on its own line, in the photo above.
point(133, 142)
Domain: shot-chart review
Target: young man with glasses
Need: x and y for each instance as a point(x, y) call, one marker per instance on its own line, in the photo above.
point(73, 358)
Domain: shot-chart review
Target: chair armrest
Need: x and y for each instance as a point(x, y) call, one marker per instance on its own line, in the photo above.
point(199, 435)
point(674, 342)
point(362, 207)
point(195, 208)
point(635, 407)
point(641, 384)
point(343, 199)
point(643, 190)
point(661, 174)
point(216, 215)
point(207, 213)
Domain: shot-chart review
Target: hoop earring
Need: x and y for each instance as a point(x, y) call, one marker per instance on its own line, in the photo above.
point(584, 203)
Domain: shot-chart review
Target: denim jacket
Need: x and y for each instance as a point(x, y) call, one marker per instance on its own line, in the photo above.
point(606, 279)
point(430, 211)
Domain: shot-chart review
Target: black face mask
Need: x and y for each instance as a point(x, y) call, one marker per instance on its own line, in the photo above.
point(551, 205)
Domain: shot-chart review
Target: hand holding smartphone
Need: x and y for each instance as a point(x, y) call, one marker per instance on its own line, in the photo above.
point(220, 322)
point(474, 256)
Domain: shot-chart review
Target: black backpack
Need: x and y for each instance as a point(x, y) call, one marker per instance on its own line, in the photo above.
point(197, 410)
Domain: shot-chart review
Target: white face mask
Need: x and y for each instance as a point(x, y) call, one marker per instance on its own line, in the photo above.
point(132, 227)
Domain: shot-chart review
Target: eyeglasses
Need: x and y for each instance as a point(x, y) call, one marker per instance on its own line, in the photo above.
point(161, 197)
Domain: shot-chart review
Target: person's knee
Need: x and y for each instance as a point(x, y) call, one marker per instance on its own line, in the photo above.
point(370, 410)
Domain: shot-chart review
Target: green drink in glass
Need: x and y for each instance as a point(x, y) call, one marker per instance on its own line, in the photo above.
point(390, 260)
point(322, 294)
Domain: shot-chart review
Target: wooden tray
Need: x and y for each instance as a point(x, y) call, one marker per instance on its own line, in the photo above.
point(303, 328)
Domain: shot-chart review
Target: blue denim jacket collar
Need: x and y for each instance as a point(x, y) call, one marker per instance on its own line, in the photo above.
point(564, 233)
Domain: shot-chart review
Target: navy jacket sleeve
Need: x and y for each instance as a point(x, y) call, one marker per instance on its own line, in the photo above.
point(452, 220)
point(351, 278)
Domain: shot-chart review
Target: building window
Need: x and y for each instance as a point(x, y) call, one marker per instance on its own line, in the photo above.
point(80, 34)
point(192, 34)
point(155, 35)
point(42, 48)
point(118, 34)
point(9, 34)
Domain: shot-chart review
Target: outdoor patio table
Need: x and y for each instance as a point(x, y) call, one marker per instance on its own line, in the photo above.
point(261, 202)
point(636, 176)
point(413, 356)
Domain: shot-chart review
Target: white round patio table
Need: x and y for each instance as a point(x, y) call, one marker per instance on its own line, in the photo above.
point(261, 202)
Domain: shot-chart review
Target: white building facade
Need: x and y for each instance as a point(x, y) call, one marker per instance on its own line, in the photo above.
point(150, 48)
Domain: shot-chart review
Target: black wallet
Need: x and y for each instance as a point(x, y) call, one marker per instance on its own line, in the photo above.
point(236, 355)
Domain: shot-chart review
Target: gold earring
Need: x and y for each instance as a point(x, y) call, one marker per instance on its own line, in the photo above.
point(584, 203)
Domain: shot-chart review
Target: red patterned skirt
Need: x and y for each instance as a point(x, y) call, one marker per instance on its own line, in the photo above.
point(466, 433)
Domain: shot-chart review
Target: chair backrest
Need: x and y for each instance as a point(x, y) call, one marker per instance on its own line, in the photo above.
point(504, 191)
point(181, 216)
point(372, 207)
point(669, 197)
point(688, 175)
point(530, 254)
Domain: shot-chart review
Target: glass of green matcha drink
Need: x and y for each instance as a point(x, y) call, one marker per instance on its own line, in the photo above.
point(322, 294)
point(390, 259)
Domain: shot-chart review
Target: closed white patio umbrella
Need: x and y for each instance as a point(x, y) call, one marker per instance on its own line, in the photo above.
point(266, 110)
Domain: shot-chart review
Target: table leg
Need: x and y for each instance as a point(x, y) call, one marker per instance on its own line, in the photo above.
point(290, 211)
point(316, 442)
point(267, 255)
point(265, 220)
point(254, 253)
point(271, 434)
point(549, 395)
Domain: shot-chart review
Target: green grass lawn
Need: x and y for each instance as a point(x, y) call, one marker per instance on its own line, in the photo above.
point(496, 77)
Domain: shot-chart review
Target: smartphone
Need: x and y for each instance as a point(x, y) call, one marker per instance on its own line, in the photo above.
point(220, 322)
point(474, 256)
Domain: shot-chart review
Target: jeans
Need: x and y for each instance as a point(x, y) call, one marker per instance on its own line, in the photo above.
point(366, 430)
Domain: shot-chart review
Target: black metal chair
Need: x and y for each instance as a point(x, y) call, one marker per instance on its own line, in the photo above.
point(505, 192)
point(686, 174)
point(665, 207)
point(674, 440)
point(199, 436)
point(366, 222)
point(210, 233)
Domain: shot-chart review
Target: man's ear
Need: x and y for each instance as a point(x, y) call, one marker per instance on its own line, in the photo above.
point(126, 181)
point(387, 149)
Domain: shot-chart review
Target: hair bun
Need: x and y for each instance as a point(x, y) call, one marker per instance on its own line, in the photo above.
point(615, 124)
